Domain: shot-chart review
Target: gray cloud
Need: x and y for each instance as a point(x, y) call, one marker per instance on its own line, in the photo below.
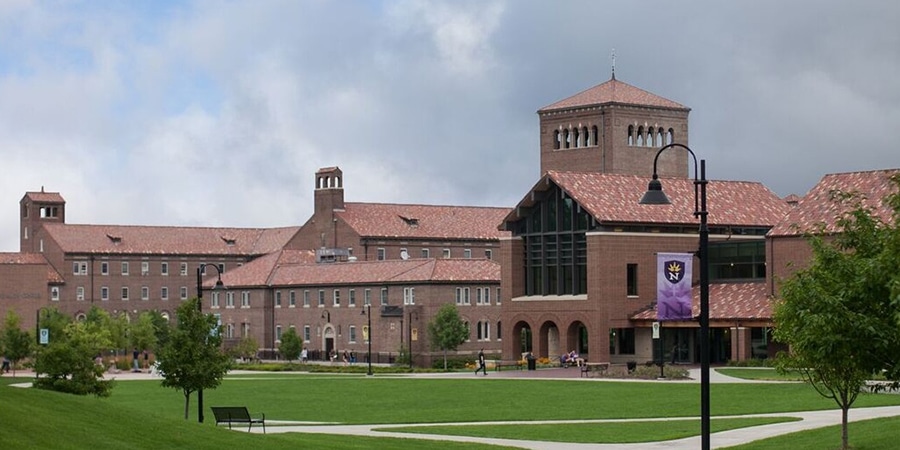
point(204, 113)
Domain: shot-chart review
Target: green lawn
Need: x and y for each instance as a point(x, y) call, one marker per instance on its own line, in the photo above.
point(875, 434)
point(762, 373)
point(138, 409)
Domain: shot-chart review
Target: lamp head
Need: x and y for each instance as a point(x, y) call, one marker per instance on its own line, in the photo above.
point(219, 284)
point(655, 194)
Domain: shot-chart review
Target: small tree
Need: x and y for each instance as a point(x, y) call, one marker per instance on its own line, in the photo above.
point(837, 314)
point(192, 358)
point(246, 348)
point(446, 331)
point(16, 343)
point(290, 345)
point(66, 363)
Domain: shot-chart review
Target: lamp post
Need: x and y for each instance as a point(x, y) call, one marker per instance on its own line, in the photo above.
point(200, 270)
point(367, 311)
point(655, 196)
point(37, 326)
point(409, 335)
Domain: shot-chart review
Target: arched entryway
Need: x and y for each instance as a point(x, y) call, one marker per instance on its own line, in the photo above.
point(522, 342)
point(328, 340)
point(577, 339)
point(549, 344)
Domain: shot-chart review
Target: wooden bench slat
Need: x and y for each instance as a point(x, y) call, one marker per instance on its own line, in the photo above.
point(237, 414)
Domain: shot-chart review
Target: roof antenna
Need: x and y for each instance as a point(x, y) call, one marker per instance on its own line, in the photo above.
point(613, 57)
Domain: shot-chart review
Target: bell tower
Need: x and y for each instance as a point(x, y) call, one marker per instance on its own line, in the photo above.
point(36, 210)
point(613, 127)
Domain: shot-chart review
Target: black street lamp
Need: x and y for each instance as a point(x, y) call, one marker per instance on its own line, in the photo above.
point(655, 196)
point(367, 311)
point(219, 285)
point(409, 335)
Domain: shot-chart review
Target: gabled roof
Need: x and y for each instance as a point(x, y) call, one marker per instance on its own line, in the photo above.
point(393, 221)
point(44, 197)
point(32, 259)
point(727, 302)
point(288, 268)
point(613, 92)
point(817, 206)
point(158, 240)
point(613, 199)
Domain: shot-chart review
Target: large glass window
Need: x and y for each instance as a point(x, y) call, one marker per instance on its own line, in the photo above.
point(737, 260)
point(555, 245)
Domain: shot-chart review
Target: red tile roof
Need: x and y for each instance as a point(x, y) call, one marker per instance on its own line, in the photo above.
point(53, 277)
point(287, 269)
point(817, 207)
point(727, 302)
point(424, 221)
point(613, 198)
point(612, 91)
point(156, 240)
point(49, 197)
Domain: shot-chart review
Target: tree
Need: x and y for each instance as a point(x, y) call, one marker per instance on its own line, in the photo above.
point(290, 345)
point(246, 348)
point(66, 363)
point(840, 315)
point(446, 331)
point(16, 343)
point(192, 358)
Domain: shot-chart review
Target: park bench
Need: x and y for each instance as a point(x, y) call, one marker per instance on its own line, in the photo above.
point(237, 414)
point(589, 369)
point(498, 364)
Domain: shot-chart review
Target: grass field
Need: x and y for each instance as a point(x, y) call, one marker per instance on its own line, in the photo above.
point(138, 409)
point(761, 373)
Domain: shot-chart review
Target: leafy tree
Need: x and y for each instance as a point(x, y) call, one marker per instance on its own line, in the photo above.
point(161, 328)
point(16, 343)
point(66, 363)
point(143, 332)
point(192, 358)
point(446, 331)
point(840, 314)
point(290, 345)
point(246, 348)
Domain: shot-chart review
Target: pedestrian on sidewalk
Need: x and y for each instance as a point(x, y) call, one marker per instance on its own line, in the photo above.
point(481, 365)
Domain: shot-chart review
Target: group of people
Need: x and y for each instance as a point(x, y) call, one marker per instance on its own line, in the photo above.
point(346, 357)
point(567, 359)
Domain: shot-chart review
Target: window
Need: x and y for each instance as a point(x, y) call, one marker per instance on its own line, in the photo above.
point(54, 293)
point(367, 297)
point(379, 254)
point(292, 300)
point(184, 269)
point(484, 331)
point(467, 253)
point(306, 334)
point(229, 331)
point(278, 333)
point(384, 296)
point(352, 334)
point(321, 298)
point(625, 340)
point(632, 283)
point(479, 297)
point(489, 254)
point(145, 268)
point(409, 296)
point(164, 269)
point(164, 293)
point(499, 336)
point(487, 296)
point(446, 253)
point(229, 299)
point(183, 293)
point(351, 297)
point(79, 293)
point(124, 267)
point(336, 297)
point(214, 302)
point(79, 268)
point(245, 299)
point(124, 293)
point(468, 330)
point(104, 268)
point(498, 302)
point(425, 253)
point(145, 293)
point(306, 299)
point(104, 293)
point(462, 296)
point(278, 299)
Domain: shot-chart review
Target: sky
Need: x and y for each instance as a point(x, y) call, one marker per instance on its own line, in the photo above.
point(219, 113)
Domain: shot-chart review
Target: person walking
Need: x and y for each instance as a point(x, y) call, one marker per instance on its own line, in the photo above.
point(481, 365)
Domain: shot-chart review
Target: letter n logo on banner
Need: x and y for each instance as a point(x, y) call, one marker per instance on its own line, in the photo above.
point(673, 286)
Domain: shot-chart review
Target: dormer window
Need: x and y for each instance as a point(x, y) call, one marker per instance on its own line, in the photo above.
point(411, 221)
point(114, 239)
point(229, 241)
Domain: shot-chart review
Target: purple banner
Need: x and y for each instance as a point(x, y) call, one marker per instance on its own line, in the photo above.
point(673, 286)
